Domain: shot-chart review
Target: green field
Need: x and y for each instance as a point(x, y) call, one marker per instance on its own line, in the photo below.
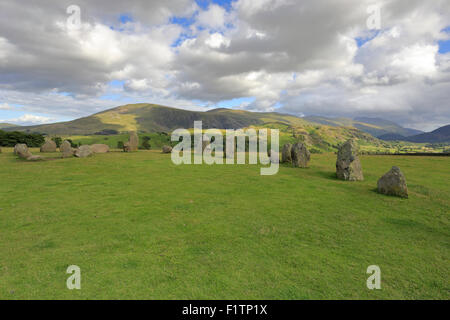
point(140, 227)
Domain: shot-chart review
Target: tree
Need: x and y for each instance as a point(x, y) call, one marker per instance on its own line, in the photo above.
point(10, 139)
point(57, 140)
point(146, 144)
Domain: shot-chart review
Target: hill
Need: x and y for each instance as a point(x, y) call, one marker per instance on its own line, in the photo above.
point(151, 118)
point(154, 118)
point(375, 126)
point(7, 125)
point(441, 134)
point(392, 137)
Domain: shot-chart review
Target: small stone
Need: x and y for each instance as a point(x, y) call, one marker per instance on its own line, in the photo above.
point(83, 151)
point(49, 146)
point(393, 183)
point(100, 148)
point(35, 158)
point(66, 149)
point(166, 149)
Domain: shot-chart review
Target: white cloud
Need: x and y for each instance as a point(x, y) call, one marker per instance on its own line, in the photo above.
point(5, 106)
point(300, 55)
point(29, 119)
point(214, 17)
point(216, 40)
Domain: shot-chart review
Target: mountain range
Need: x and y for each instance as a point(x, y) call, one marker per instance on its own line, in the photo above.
point(145, 117)
point(441, 134)
point(375, 126)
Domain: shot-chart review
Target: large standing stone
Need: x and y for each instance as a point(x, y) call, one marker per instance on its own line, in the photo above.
point(348, 166)
point(49, 146)
point(83, 151)
point(300, 155)
point(100, 148)
point(286, 156)
point(132, 144)
point(393, 183)
point(166, 149)
point(66, 149)
point(22, 151)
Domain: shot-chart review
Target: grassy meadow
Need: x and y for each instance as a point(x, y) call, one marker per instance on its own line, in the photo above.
point(140, 227)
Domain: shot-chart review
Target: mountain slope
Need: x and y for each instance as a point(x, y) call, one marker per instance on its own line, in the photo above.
point(7, 125)
point(375, 126)
point(389, 126)
point(152, 118)
point(441, 134)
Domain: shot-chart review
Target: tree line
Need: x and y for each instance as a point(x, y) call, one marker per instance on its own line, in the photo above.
point(10, 139)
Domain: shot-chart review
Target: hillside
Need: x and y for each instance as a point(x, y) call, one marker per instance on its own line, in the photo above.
point(7, 125)
point(375, 126)
point(392, 137)
point(150, 119)
point(441, 134)
point(155, 118)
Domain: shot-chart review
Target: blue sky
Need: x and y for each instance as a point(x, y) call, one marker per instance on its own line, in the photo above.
point(258, 56)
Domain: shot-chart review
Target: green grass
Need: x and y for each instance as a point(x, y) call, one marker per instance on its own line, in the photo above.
point(140, 227)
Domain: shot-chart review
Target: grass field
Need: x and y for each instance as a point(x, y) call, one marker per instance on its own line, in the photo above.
point(140, 227)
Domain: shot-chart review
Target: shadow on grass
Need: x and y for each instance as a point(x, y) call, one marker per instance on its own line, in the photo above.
point(327, 175)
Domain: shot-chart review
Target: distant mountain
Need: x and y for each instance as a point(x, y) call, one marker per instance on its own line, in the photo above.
point(390, 126)
point(7, 125)
point(152, 118)
point(375, 126)
point(441, 134)
point(392, 137)
point(146, 118)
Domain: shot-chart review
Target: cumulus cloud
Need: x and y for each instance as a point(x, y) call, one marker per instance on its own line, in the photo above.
point(5, 106)
point(29, 119)
point(309, 57)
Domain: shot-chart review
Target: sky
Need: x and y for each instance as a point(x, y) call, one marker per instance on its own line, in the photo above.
point(323, 57)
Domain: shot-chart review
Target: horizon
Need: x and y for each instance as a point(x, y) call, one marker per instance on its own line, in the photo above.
point(360, 60)
point(325, 117)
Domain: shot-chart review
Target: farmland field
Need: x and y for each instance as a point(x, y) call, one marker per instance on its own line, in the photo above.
point(140, 227)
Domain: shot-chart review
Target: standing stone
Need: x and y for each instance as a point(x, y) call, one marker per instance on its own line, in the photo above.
point(49, 146)
point(286, 156)
point(22, 151)
point(348, 166)
point(83, 151)
point(66, 149)
point(132, 144)
point(393, 183)
point(166, 149)
point(100, 148)
point(300, 155)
